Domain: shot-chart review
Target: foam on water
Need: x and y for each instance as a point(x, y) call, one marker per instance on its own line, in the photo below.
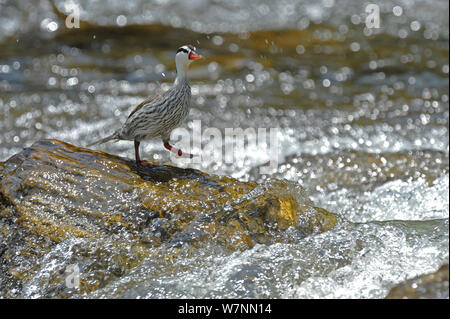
point(395, 200)
point(354, 261)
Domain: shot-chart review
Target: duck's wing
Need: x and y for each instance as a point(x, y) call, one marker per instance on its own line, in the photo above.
point(145, 102)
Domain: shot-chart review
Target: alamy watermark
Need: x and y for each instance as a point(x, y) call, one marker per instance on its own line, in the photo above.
point(72, 276)
point(373, 16)
point(229, 145)
point(73, 18)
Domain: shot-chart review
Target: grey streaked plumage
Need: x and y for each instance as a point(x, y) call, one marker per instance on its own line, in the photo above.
point(157, 116)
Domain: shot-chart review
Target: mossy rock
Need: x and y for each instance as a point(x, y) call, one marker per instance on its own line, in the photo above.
point(100, 211)
point(428, 286)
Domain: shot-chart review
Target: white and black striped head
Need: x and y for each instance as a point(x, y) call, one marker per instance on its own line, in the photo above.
point(186, 54)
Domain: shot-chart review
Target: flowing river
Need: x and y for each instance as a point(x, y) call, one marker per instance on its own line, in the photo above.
point(359, 118)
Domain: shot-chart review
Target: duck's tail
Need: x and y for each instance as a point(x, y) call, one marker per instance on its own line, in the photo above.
point(113, 136)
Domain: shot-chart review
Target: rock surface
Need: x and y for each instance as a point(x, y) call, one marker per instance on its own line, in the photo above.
point(428, 286)
point(62, 205)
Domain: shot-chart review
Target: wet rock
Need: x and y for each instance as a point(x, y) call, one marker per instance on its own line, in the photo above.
point(429, 286)
point(62, 205)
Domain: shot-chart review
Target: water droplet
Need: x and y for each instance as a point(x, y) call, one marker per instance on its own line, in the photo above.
point(72, 81)
point(415, 25)
point(356, 19)
point(233, 47)
point(217, 40)
point(300, 49)
point(402, 33)
point(121, 20)
point(397, 10)
point(4, 68)
point(355, 46)
point(51, 81)
point(52, 26)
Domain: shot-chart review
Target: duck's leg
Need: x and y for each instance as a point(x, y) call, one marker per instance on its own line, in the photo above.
point(177, 151)
point(138, 159)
